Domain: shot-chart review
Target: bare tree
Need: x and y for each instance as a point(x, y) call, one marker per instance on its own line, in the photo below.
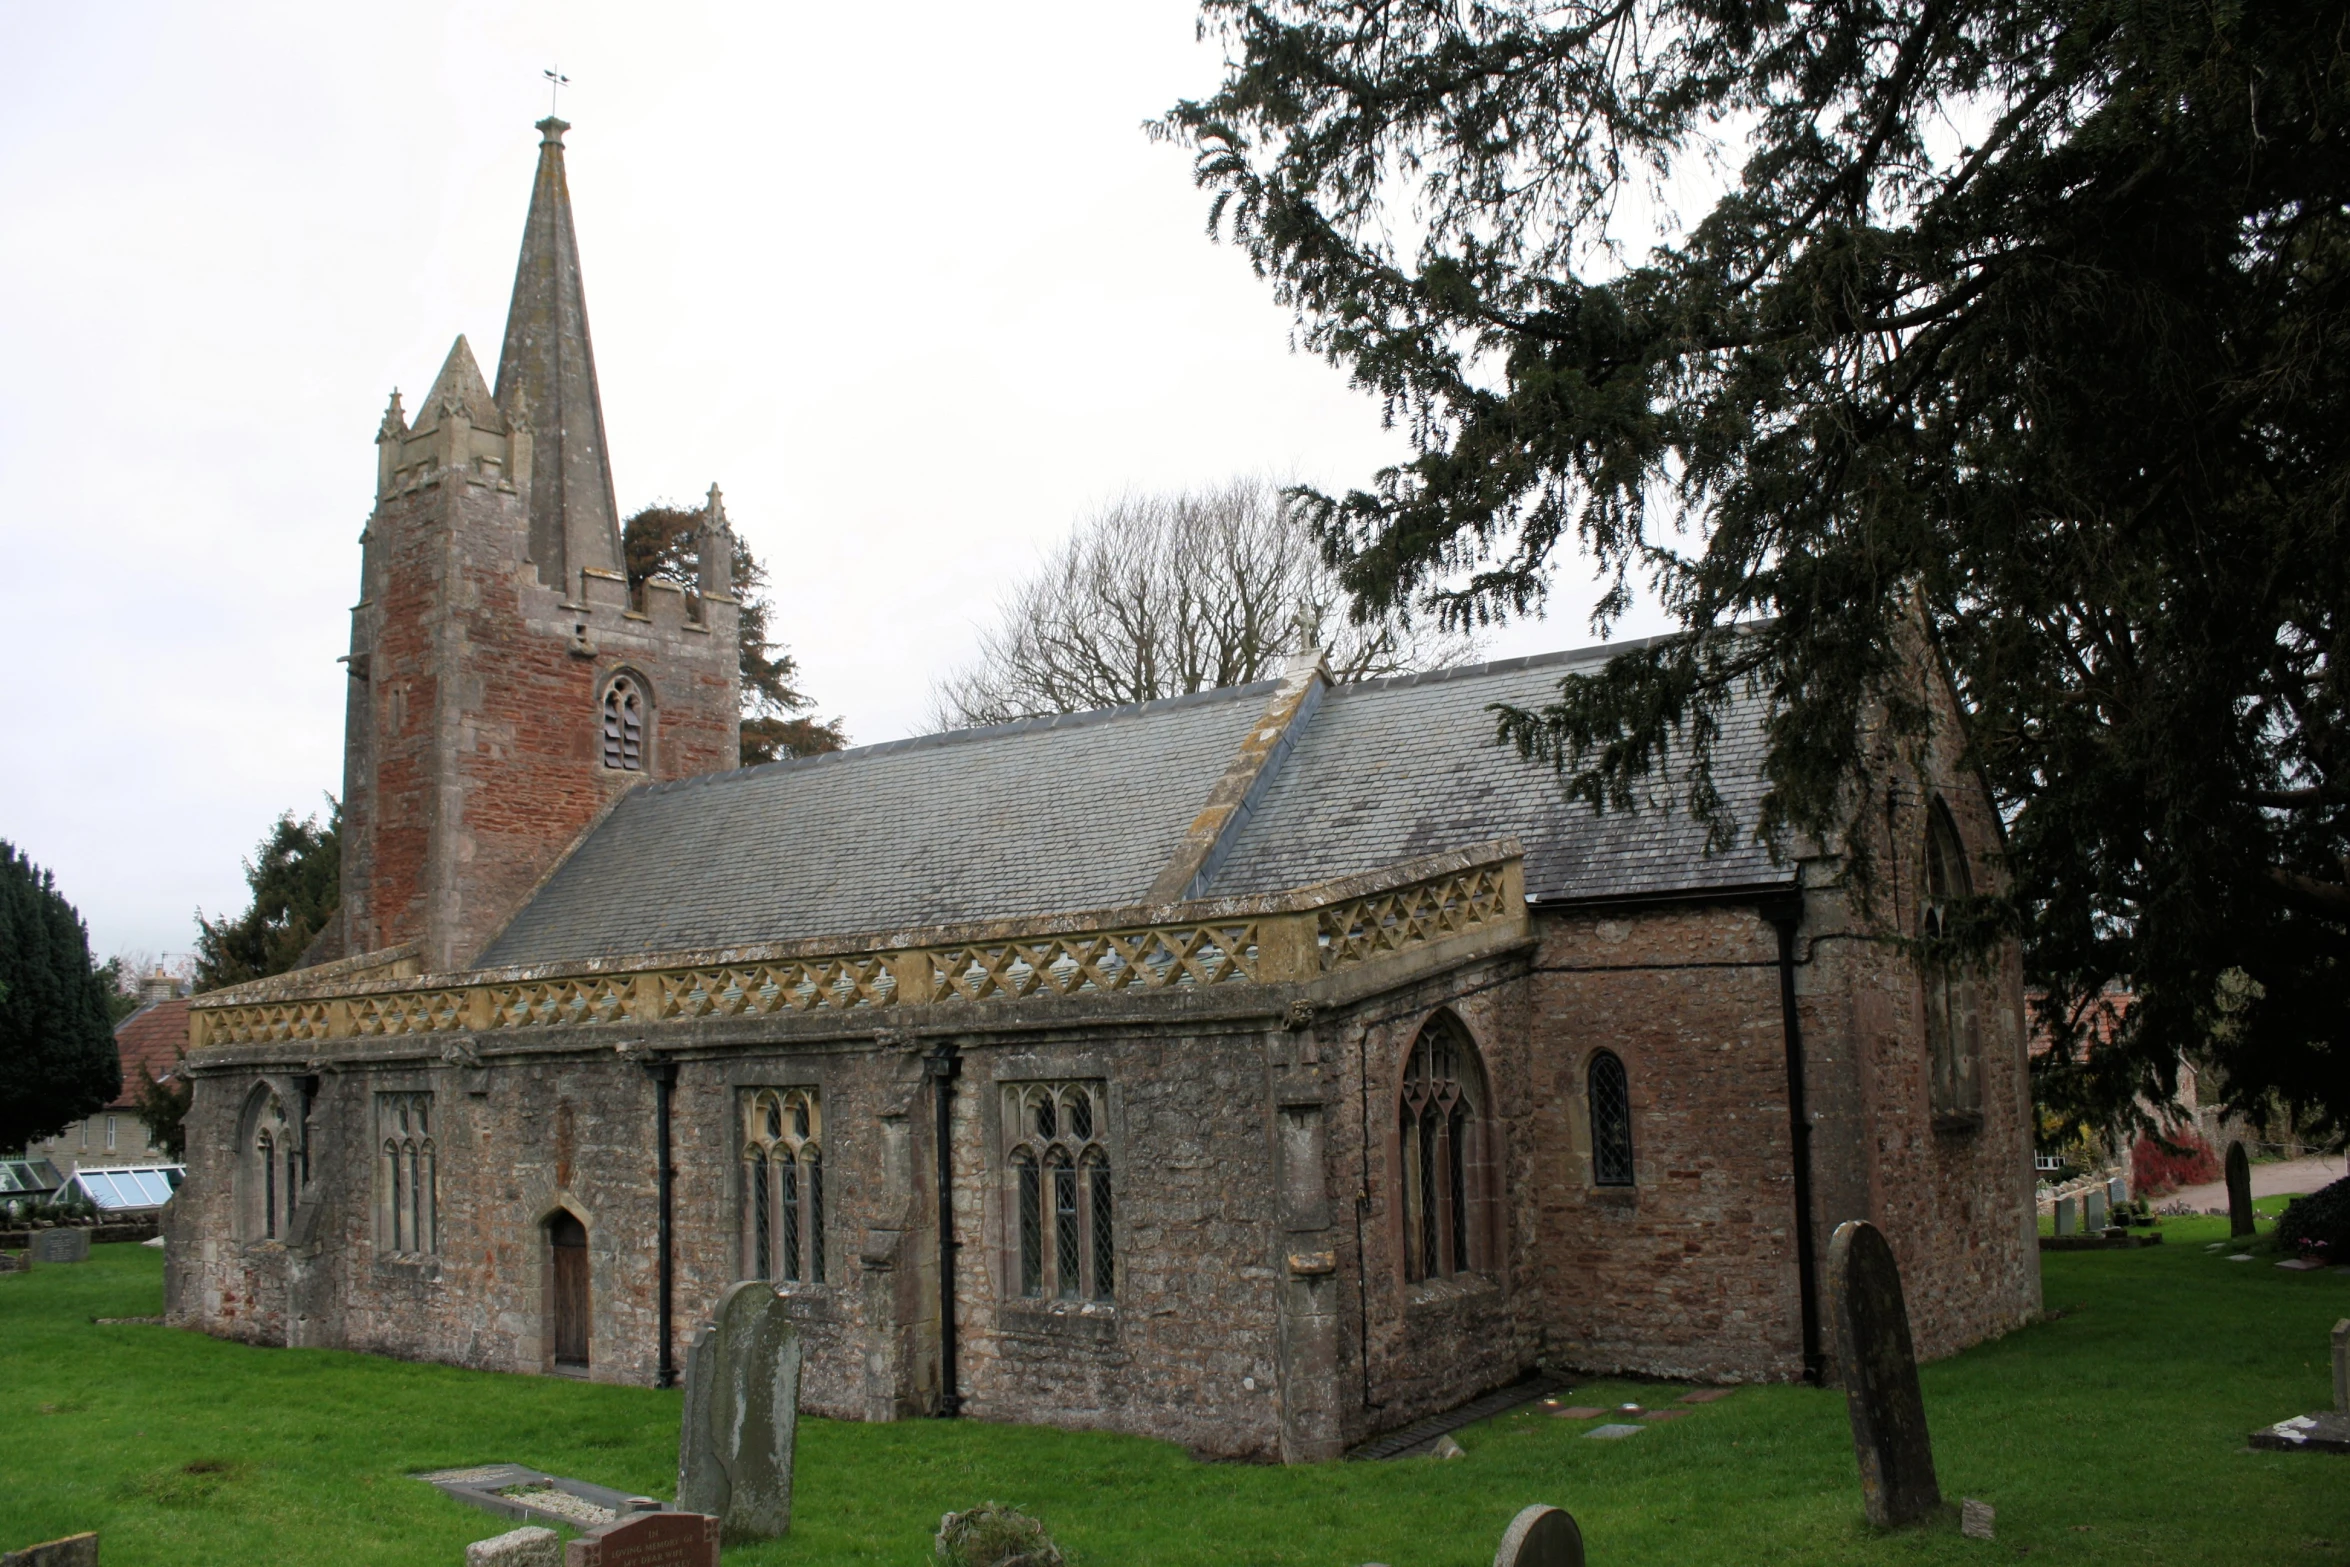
point(1159, 595)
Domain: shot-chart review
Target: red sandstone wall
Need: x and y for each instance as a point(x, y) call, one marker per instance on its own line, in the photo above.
point(1691, 1271)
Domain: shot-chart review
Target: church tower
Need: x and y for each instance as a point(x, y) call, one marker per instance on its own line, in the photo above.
point(506, 686)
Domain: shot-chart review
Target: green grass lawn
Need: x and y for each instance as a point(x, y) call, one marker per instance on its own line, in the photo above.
point(2113, 1433)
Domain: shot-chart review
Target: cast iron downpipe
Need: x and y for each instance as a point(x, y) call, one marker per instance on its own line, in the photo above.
point(942, 1066)
point(664, 1075)
point(1784, 917)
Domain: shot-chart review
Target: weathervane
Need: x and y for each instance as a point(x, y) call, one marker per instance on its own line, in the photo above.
point(556, 82)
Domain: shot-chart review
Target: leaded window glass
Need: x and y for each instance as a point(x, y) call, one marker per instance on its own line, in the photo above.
point(1609, 1097)
point(1064, 1223)
point(271, 1167)
point(407, 1182)
point(1948, 977)
point(783, 1185)
point(1441, 1146)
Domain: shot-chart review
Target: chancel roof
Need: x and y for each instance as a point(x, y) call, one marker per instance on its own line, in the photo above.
point(1082, 812)
point(1392, 769)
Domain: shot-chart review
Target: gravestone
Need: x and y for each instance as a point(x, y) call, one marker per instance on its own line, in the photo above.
point(67, 1244)
point(1880, 1370)
point(1976, 1519)
point(2342, 1367)
point(16, 1262)
point(530, 1546)
point(648, 1540)
point(75, 1550)
point(1541, 1537)
point(2066, 1224)
point(2117, 1193)
point(2239, 1191)
point(2093, 1218)
point(742, 1407)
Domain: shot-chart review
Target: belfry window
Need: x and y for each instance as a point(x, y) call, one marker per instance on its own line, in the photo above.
point(624, 725)
point(1609, 1097)
point(783, 1185)
point(1064, 1215)
point(407, 1179)
point(1446, 1164)
point(1951, 1039)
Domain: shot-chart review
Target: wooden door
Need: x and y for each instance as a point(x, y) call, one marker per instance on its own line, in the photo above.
point(567, 1240)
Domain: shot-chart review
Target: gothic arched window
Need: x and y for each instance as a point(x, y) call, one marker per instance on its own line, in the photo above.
point(1956, 1090)
point(407, 1181)
point(1064, 1218)
point(272, 1167)
point(625, 712)
point(783, 1185)
point(1609, 1096)
point(1446, 1166)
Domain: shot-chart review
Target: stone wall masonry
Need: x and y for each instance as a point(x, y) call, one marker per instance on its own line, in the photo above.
point(473, 738)
point(1953, 1196)
point(1689, 1272)
point(1237, 1263)
point(1413, 1349)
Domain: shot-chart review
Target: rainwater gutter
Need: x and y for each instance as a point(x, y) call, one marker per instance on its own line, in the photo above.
point(1784, 915)
point(664, 1076)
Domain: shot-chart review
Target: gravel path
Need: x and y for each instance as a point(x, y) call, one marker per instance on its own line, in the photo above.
point(2268, 1180)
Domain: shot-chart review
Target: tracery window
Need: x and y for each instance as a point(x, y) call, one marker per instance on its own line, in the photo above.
point(273, 1168)
point(1952, 1044)
point(407, 1181)
point(1609, 1096)
point(783, 1185)
point(1441, 1138)
point(624, 725)
point(1064, 1208)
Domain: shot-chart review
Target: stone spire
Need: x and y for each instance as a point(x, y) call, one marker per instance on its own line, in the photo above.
point(547, 383)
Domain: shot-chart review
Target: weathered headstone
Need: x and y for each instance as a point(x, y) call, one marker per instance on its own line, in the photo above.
point(2066, 1224)
point(16, 1262)
point(64, 1244)
point(75, 1550)
point(2094, 1204)
point(2117, 1192)
point(1975, 1519)
point(530, 1546)
point(742, 1406)
point(1880, 1369)
point(1541, 1537)
point(647, 1540)
point(2239, 1190)
point(2342, 1367)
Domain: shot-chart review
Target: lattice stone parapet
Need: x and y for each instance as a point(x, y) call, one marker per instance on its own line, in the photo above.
point(1283, 938)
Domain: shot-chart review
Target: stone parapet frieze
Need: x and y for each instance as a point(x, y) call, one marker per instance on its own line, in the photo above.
point(1278, 938)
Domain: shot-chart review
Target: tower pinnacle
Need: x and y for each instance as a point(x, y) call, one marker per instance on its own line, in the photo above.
point(547, 383)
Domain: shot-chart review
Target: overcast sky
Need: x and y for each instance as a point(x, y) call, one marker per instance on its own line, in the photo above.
point(910, 283)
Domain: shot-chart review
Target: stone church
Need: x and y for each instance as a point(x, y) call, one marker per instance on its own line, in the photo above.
point(1261, 1070)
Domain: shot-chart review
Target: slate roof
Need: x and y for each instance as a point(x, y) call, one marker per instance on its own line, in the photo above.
point(1052, 814)
point(1082, 812)
point(1392, 769)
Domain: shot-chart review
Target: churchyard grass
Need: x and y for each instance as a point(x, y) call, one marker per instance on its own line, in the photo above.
point(2112, 1433)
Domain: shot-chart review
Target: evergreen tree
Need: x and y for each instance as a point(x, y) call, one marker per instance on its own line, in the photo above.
point(57, 1056)
point(2028, 321)
point(665, 542)
point(296, 876)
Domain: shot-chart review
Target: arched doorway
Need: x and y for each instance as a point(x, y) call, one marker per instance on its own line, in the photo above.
point(567, 1289)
